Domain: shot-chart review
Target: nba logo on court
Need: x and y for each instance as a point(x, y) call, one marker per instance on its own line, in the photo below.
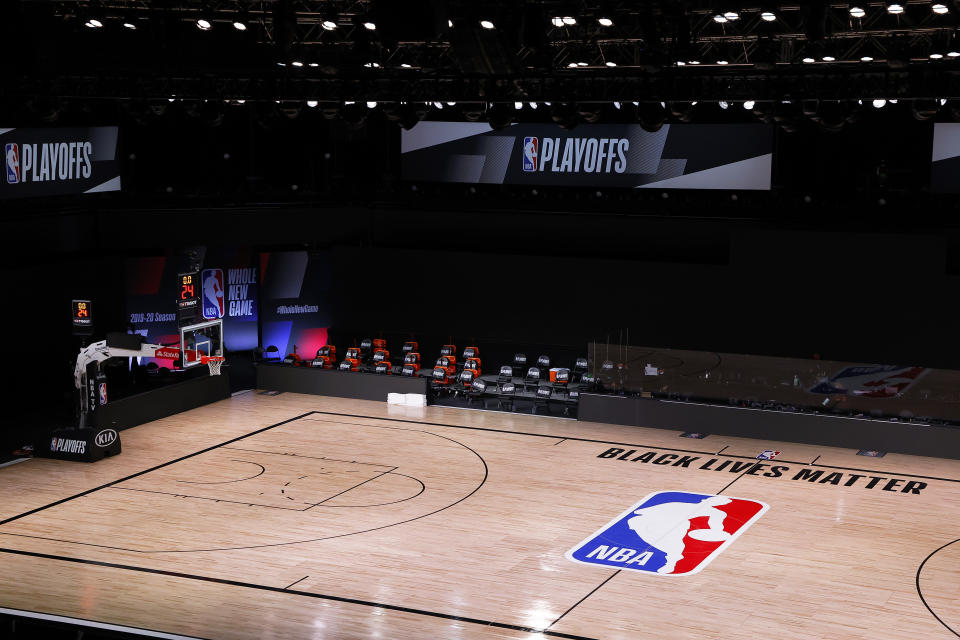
point(669, 533)
point(530, 154)
point(212, 280)
point(12, 154)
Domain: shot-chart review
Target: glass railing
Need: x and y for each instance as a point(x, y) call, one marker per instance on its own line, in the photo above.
point(878, 391)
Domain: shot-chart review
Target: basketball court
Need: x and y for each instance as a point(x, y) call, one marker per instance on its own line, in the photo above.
point(303, 516)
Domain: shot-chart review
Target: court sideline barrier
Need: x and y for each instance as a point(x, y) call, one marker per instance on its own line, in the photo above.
point(162, 402)
point(325, 382)
point(764, 424)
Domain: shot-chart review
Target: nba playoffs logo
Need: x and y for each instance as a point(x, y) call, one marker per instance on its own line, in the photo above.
point(669, 533)
point(212, 280)
point(530, 154)
point(103, 393)
point(12, 154)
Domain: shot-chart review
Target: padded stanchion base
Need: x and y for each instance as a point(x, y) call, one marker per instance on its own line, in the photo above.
point(80, 445)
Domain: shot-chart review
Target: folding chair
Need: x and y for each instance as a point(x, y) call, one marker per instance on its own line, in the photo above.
point(532, 379)
point(519, 363)
point(326, 356)
point(580, 367)
point(410, 370)
point(506, 394)
point(440, 380)
point(410, 346)
point(471, 352)
point(383, 367)
point(350, 364)
point(477, 388)
point(542, 398)
point(412, 359)
point(543, 362)
point(506, 374)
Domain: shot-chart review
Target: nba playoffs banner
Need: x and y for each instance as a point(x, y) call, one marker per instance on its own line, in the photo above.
point(945, 172)
point(684, 156)
point(295, 301)
point(53, 162)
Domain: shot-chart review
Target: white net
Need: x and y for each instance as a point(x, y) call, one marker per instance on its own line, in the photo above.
point(214, 364)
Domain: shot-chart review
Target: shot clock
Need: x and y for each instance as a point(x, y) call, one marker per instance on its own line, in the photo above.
point(188, 298)
point(82, 317)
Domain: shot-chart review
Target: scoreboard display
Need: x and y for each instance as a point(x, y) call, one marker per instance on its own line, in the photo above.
point(82, 317)
point(188, 298)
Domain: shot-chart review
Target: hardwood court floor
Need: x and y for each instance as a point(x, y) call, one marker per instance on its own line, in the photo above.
point(299, 516)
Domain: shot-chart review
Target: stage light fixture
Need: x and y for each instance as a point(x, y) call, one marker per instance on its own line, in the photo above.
point(939, 9)
point(371, 105)
point(895, 9)
point(450, 24)
point(808, 60)
point(313, 64)
point(328, 25)
point(557, 21)
point(518, 106)
point(879, 103)
point(731, 15)
point(372, 65)
point(451, 104)
point(533, 105)
point(866, 58)
point(857, 12)
point(605, 22)
point(93, 23)
point(723, 62)
point(404, 65)
point(312, 103)
point(681, 63)
point(239, 25)
point(487, 24)
point(297, 63)
point(828, 59)
point(749, 105)
point(130, 24)
point(572, 65)
point(719, 19)
point(569, 20)
point(204, 24)
point(936, 56)
point(610, 63)
point(953, 54)
point(694, 62)
point(768, 16)
point(370, 26)
point(723, 104)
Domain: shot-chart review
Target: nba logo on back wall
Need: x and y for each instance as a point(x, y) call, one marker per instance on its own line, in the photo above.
point(12, 154)
point(669, 533)
point(212, 280)
point(530, 154)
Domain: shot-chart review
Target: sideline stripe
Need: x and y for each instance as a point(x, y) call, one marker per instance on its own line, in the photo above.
point(82, 622)
point(308, 594)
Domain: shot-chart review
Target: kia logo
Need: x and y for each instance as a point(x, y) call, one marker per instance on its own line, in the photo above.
point(106, 438)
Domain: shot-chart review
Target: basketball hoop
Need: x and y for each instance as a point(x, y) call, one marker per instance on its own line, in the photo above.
point(214, 363)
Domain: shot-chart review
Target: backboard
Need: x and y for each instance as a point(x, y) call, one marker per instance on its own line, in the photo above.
point(198, 340)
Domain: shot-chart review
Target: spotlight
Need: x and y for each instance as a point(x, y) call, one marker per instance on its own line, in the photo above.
point(371, 105)
point(939, 9)
point(533, 105)
point(239, 25)
point(605, 22)
point(204, 25)
point(722, 62)
point(297, 63)
point(681, 63)
point(450, 24)
point(372, 65)
point(610, 63)
point(895, 9)
point(936, 56)
point(719, 19)
point(404, 65)
point(953, 54)
point(572, 65)
point(828, 59)
point(569, 20)
point(370, 26)
point(581, 64)
point(313, 64)
point(486, 24)
point(694, 62)
point(879, 104)
point(731, 15)
point(866, 59)
point(328, 25)
point(129, 24)
point(557, 21)
point(93, 23)
point(749, 105)
point(808, 60)
point(723, 104)
point(768, 16)
point(312, 103)
point(518, 106)
point(857, 12)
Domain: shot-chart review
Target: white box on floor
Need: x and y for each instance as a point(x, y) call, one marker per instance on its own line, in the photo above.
point(416, 400)
point(396, 398)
